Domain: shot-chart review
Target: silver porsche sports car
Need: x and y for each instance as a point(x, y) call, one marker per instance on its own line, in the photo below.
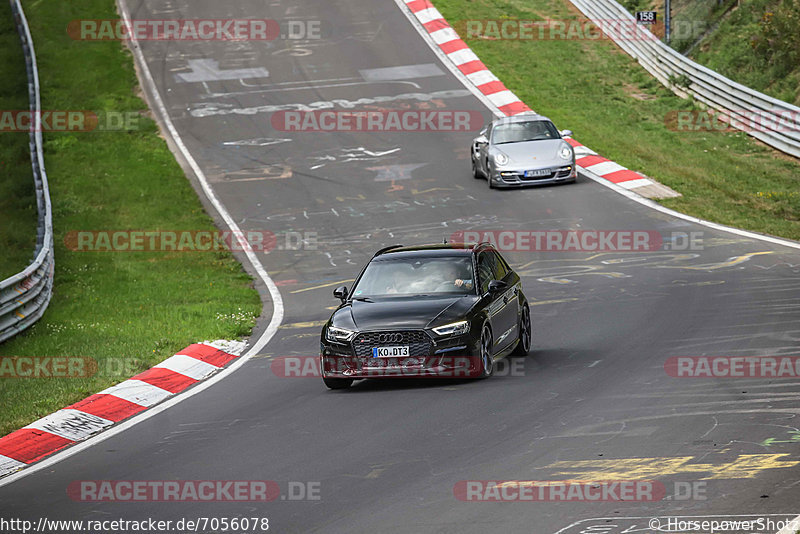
point(523, 150)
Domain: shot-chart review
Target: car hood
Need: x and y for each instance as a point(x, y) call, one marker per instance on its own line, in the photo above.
point(401, 312)
point(533, 153)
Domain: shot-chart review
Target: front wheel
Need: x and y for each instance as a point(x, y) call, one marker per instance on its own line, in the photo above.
point(475, 173)
point(487, 362)
point(524, 343)
point(489, 176)
point(337, 383)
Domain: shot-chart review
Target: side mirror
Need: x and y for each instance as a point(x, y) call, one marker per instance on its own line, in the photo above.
point(481, 140)
point(496, 286)
point(566, 133)
point(340, 293)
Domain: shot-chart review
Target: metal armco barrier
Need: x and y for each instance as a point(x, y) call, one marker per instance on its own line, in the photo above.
point(25, 296)
point(781, 131)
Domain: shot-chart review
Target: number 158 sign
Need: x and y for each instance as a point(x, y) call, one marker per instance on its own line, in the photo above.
point(646, 17)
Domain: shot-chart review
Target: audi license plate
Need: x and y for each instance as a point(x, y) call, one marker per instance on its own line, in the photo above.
point(390, 352)
point(537, 173)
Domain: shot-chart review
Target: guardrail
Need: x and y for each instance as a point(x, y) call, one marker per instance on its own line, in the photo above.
point(25, 296)
point(781, 127)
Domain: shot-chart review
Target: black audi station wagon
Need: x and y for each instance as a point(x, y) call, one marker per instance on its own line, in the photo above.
point(446, 310)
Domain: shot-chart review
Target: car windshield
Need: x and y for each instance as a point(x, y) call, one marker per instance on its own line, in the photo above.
point(518, 132)
point(416, 276)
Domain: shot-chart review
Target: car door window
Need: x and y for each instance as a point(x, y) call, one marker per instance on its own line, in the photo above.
point(485, 270)
point(500, 268)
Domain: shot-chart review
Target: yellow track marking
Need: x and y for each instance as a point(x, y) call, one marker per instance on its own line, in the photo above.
point(322, 285)
point(308, 324)
point(744, 466)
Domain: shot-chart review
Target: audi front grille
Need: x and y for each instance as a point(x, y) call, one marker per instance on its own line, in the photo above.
point(419, 343)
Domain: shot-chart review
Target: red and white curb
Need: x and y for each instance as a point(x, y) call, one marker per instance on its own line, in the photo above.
point(457, 51)
point(465, 60)
point(98, 412)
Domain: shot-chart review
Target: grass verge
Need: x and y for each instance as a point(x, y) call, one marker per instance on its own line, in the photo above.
point(126, 310)
point(615, 107)
point(17, 196)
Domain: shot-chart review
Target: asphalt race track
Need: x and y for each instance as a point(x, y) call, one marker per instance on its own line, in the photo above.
point(592, 397)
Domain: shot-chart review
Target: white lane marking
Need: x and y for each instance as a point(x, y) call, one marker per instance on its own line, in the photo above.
point(401, 72)
point(387, 173)
point(70, 424)
point(376, 153)
point(311, 83)
point(207, 70)
point(277, 299)
point(345, 155)
point(137, 392)
point(605, 167)
point(260, 141)
point(633, 184)
point(188, 366)
point(207, 110)
point(308, 87)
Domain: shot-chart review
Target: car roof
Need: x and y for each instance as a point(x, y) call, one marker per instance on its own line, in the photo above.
point(522, 117)
point(431, 250)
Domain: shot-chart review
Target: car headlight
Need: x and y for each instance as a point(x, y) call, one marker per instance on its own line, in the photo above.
point(453, 329)
point(500, 159)
point(339, 335)
point(565, 152)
